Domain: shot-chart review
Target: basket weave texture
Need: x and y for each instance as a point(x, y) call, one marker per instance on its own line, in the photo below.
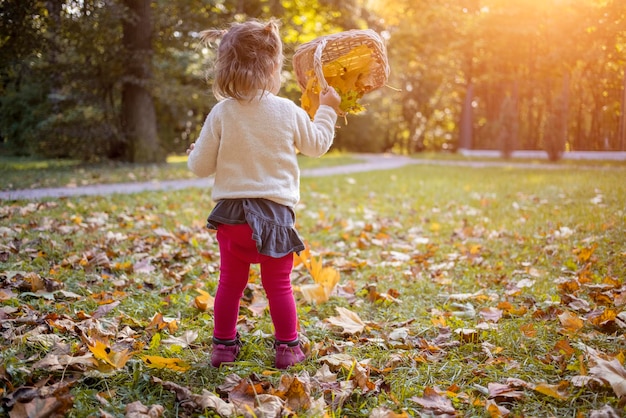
point(310, 57)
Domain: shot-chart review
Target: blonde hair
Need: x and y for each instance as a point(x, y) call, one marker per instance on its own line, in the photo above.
point(247, 58)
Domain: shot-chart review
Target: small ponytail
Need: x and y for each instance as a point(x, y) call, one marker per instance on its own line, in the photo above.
point(207, 37)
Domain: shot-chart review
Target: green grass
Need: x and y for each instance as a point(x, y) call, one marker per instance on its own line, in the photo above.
point(27, 173)
point(424, 234)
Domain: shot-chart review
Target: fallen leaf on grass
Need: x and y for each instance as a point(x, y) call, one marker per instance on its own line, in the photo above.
point(611, 372)
point(183, 341)
point(191, 402)
point(159, 323)
point(63, 362)
point(253, 398)
point(603, 371)
point(45, 401)
point(435, 403)
point(383, 412)
point(468, 335)
point(157, 362)
point(491, 314)
point(204, 301)
point(607, 411)
point(139, 410)
point(571, 323)
point(500, 391)
point(349, 321)
point(295, 391)
point(102, 351)
point(494, 410)
point(556, 391)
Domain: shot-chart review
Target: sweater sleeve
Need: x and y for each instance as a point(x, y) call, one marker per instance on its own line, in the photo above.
point(202, 160)
point(314, 139)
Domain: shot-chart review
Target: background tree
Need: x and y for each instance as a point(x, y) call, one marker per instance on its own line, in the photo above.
point(126, 79)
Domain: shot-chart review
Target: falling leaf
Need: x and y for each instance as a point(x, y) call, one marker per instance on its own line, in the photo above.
point(325, 278)
point(349, 321)
point(157, 362)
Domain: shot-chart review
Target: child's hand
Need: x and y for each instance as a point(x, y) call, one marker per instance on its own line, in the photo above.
point(191, 147)
point(330, 97)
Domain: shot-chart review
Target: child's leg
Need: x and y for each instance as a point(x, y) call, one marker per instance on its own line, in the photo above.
point(276, 277)
point(234, 271)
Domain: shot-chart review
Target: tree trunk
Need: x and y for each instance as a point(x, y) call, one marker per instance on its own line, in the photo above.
point(466, 129)
point(139, 122)
point(622, 120)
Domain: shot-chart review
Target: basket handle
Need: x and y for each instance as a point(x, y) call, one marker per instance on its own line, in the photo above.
point(317, 65)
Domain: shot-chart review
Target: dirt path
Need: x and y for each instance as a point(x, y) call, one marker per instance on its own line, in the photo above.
point(371, 162)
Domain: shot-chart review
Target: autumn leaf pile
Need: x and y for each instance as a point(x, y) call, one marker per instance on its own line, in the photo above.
point(425, 291)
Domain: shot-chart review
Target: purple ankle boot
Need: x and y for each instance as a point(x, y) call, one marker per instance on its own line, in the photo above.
point(224, 351)
point(288, 354)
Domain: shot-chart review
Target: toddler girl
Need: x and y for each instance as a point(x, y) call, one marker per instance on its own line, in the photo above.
point(249, 141)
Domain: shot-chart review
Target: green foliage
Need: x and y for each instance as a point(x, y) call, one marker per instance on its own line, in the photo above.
point(21, 112)
point(62, 70)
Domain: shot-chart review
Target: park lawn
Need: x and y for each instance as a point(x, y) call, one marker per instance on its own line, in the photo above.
point(28, 173)
point(461, 292)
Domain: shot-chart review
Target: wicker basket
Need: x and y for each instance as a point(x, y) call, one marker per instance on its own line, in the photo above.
point(313, 55)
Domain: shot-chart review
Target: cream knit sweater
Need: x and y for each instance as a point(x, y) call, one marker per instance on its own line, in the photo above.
point(251, 147)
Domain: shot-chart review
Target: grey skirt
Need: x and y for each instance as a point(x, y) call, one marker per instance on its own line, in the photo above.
point(272, 224)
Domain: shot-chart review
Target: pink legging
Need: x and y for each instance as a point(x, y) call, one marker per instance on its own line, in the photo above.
point(237, 251)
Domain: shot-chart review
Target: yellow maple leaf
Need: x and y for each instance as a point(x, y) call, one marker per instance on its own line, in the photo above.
point(103, 352)
point(157, 362)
